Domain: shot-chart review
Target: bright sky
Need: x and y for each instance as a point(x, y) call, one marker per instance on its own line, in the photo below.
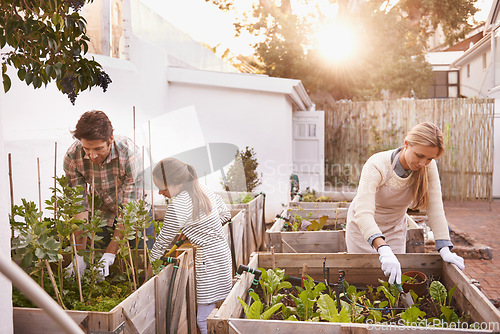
point(204, 22)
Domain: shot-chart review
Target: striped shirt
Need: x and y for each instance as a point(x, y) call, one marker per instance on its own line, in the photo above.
point(213, 257)
point(121, 169)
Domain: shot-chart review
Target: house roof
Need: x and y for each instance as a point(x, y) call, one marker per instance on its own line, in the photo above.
point(481, 46)
point(292, 88)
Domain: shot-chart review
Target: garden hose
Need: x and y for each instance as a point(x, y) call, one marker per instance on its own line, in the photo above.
point(232, 249)
point(256, 279)
point(178, 243)
point(167, 260)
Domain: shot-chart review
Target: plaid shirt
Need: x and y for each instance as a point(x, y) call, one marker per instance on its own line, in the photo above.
point(123, 165)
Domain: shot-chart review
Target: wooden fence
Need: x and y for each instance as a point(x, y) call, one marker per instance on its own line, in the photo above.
point(356, 130)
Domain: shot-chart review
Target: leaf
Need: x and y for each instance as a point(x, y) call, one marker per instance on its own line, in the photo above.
point(21, 74)
point(6, 83)
point(449, 314)
point(270, 311)
point(412, 315)
point(438, 292)
point(39, 253)
point(450, 294)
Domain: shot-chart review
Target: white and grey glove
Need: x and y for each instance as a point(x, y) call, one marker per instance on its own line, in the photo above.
point(390, 264)
point(70, 270)
point(107, 260)
point(450, 257)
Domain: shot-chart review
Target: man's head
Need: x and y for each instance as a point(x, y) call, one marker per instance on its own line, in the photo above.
point(95, 131)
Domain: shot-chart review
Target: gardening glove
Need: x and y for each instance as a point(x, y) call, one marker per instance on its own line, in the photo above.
point(70, 270)
point(450, 257)
point(390, 264)
point(107, 260)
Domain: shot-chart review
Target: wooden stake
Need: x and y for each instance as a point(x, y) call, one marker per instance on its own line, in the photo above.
point(39, 188)
point(59, 264)
point(132, 266)
point(11, 193)
point(151, 166)
point(92, 217)
point(75, 265)
point(54, 286)
point(135, 184)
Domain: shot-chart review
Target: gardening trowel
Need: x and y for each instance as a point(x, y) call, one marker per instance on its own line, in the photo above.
point(405, 297)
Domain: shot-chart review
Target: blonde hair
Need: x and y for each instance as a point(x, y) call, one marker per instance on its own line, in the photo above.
point(426, 134)
point(171, 171)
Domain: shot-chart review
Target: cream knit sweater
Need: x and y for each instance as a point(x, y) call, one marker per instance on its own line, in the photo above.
point(374, 175)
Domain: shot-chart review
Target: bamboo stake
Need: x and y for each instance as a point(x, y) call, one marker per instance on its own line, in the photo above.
point(39, 188)
point(145, 238)
point(11, 194)
point(54, 286)
point(59, 263)
point(92, 217)
point(151, 167)
point(135, 184)
point(132, 266)
point(75, 265)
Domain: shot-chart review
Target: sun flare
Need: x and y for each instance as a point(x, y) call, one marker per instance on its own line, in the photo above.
point(337, 41)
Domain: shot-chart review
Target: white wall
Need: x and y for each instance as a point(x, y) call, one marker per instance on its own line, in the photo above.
point(35, 119)
point(259, 120)
point(478, 83)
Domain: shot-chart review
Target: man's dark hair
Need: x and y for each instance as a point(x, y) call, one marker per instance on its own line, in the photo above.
point(93, 125)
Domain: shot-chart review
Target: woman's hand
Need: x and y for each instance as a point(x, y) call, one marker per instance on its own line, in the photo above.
point(390, 264)
point(450, 257)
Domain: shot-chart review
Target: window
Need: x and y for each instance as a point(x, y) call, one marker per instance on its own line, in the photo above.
point(446, 84)
point(468, 70)
point(305, 131)
point(485, 64)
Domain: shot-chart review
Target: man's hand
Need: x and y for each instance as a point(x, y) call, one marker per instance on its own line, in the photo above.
point(390, 264)
point(450, 257)
point(70, 270)
point(107, 260)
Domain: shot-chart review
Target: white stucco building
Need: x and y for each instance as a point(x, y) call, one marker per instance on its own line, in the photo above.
point(181, 91)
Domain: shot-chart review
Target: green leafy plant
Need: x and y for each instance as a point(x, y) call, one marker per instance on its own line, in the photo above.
point(42, 243)
point(317, 225)
point(243, 175)
point(443, 297)
point(271, 282)
point(328, 310)
point(413, 315)
point(256, 309)
point(308, 296)
point(48, 42)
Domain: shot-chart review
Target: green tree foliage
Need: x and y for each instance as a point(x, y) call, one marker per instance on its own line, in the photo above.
point(46, 41)
point(390, 57)
point(243, 175)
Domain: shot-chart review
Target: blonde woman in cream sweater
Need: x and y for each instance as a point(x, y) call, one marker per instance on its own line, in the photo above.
point(390, 183)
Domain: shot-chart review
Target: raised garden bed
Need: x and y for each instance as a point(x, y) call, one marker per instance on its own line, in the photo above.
point(141, 312)
point(360, 270)
point(463, 244)
point(330, 240)
point(316, 199)
point(255, 218)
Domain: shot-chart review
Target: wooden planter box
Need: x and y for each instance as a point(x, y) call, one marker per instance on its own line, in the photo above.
point(255, 219)
point(463, 244)
point(335, 196)
point(141, 312)
point(360, 269)
point(235, 232)
point(326, 241)
point(253, 227)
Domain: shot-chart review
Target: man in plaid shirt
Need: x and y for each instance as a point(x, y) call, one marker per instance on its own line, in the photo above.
point(113, 165)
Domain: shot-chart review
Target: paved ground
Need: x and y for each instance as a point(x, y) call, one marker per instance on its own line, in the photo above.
point(481, 222)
